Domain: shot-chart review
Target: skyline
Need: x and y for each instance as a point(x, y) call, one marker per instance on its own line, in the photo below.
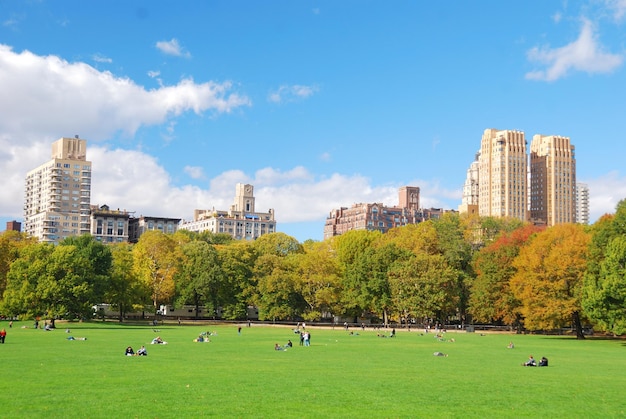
point(318, 104)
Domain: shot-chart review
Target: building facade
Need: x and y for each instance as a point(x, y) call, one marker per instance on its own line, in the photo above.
point(109, 226)
point(502, 174)
point(58, 193)
point(552, 180)
point(469, 202)
point(379, 217)
point(241, 221)
point(139, 225)
point(582, 203)
point(14, 226)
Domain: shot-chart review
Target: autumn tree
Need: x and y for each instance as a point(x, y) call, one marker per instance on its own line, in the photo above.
point(10, 244)
point(156, 260)
point(125, 291)
point(548, 277)
point(491, 298)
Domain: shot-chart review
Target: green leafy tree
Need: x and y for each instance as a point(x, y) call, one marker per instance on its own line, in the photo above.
point(317, 279)
point(548, 278)
point(423, 287)
point(21, 296)
point(277, 295)
point(201, 279)
point(237, 260)
point(600, 306)
point(605, 299)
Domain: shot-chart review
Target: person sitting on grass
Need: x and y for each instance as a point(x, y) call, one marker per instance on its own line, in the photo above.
point(439, 354)
point(142, 351)
point(510, 345)
point(158, 340)
point(543, 362)
point(289, 344)
point(129, 351)
point(531, 362)
point(201, 338)
point(277, 347)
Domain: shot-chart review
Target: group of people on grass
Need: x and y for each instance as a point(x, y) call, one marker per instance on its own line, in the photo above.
point(140, 352)
point(543, 362)
point(277, 347)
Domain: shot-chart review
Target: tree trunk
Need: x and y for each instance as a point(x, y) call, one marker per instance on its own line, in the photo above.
point(578, 325)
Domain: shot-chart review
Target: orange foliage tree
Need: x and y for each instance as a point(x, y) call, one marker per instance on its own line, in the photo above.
point(549, 277)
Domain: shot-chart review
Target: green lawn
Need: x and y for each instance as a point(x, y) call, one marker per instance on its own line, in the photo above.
point(45, 375)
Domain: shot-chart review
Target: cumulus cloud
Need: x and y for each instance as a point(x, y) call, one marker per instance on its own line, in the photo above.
point(172, 47)
point(292, 93)
point(605, 192)
point(58, 94)
point(584, 54)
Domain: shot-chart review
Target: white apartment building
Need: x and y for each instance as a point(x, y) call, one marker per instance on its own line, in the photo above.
point(552, 180)
point(241, 221)
point(582, 203)
point(58, 193)
point(469, 202)
point(502, 174)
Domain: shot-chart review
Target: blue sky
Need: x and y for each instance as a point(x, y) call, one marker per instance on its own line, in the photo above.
point(318, 104)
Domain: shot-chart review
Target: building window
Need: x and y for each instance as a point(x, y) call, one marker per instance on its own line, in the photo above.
point(99, 227)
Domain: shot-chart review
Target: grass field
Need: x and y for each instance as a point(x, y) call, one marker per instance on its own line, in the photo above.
point(45, 375)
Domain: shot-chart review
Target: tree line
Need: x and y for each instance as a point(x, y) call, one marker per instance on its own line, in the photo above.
point(457, 268)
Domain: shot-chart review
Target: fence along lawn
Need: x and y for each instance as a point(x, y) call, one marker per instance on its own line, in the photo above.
point(339, 375)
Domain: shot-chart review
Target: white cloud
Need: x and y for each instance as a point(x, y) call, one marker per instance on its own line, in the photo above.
point(618, 7)
point(99, 58)
point(172, 47)
point(584, 54)
point(291, 93)
point(58, 94)
point(605, 193)
point(195, 172)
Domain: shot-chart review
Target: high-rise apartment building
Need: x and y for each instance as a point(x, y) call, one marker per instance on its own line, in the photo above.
point(502, 174)
point(241, 221)
point(582, 203)
point(58, 193)
point(552, 180)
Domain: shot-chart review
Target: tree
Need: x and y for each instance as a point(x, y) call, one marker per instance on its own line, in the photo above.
point(156, 262)
point(237, 261)
point(366, 280)
point(201, 279)
point(276, 292)
point(602, 276)
point(125, 290)
point(548, 280)
point(21, 296)
point(317, 279)
point(605, 298)
point(491, 298)
point(10, 244)
point(423, 287)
